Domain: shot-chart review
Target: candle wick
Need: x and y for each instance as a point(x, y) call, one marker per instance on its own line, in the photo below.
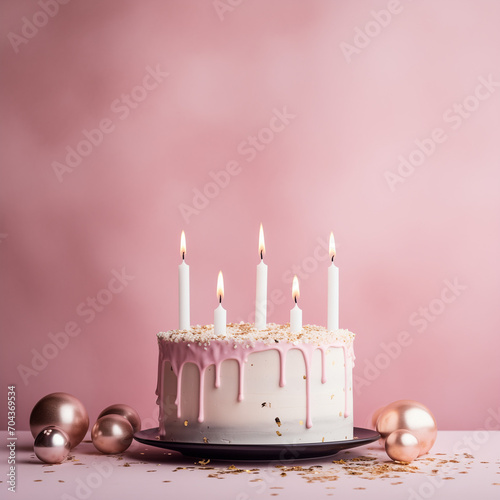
point(295, 298)
point(184, 253)
point(333, 256)
point(261, 255)
point(220, 299)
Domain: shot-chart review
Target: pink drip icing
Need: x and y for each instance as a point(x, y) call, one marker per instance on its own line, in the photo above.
point(240, 384)
point(201, 413)
point(282, 354)
point(217, 374)
point(323, 364)
point(218, 351)
point(177, 401)
point(346, 409)
point(159, 384)
point(307, 361)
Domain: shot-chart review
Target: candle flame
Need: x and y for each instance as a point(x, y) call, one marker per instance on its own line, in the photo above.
point(262, 245)
point(295, 289)
point(332, 246)
point(183, 245)
point(220, 287)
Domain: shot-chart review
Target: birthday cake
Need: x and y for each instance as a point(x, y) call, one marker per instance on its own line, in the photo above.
point(255, 386)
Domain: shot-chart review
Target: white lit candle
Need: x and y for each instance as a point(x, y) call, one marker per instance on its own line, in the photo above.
point(295, 313)
point(220, 312)
point(261, 293)
point(184, 319)
point(333, 290)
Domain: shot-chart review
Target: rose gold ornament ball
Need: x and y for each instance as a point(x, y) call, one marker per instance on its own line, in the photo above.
point(63, 411)
point(402, 446)
point(112, 434)
point(52, 445)
point(411, 416)
point(125, 411)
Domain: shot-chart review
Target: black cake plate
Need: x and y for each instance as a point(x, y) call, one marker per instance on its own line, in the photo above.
point(249, 452)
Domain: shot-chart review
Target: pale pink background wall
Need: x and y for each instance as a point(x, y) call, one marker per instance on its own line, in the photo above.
point(228, 73)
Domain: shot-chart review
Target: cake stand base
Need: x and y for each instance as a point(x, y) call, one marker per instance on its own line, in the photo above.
point(249, 452)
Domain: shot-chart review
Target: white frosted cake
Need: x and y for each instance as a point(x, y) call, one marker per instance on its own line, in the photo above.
point(252, 386)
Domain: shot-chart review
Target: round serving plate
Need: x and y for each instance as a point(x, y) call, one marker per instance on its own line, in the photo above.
point(256, 451)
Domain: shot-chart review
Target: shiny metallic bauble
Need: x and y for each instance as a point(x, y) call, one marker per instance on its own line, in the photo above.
point(402, 446)
point(411, 416)
point(52, 445)
point(125, 411)
point(63, 411)
point(112, 434)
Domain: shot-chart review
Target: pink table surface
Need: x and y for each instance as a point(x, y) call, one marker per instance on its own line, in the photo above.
point(461, 465)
